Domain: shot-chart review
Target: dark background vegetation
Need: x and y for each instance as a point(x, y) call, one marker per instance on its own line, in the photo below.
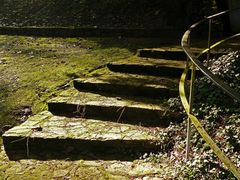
point(162, 14)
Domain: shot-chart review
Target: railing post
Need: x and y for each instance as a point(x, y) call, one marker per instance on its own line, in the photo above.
point(188, 104)
point(191, 98)
point(209, 39)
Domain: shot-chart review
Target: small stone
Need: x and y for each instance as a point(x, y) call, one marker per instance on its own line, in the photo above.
point(37, 128)
point(119, 98)
point(5, 128)
point(60, 173)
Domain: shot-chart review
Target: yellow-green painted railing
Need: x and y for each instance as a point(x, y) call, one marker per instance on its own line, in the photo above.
point(188, 104)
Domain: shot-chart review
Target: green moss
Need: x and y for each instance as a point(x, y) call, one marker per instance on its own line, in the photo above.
point(36, 69)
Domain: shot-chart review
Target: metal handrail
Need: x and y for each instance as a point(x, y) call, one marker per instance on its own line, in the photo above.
point(188, 104)
point(200, 66)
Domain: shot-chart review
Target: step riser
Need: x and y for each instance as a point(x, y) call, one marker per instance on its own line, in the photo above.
point(126, 90)
point(46, 135)
point(172, 55)
point(147, 70)
point(150, 70)
point(129, 115)
point(18, 148)
point(176, 55)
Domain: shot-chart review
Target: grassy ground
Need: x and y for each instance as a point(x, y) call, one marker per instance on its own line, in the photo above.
point(34, 69)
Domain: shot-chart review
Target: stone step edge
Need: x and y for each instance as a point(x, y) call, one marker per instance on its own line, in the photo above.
point(169, 54)
point(145, 115)
point(148, 69)
point(145, 90)
point(153, 70)
point(30, 142)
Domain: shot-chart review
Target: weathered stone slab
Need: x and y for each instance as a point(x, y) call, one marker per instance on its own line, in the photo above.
point(134, 111)
point(131, 85)
point(172, 53)
point(149, 67)
point(45, 133)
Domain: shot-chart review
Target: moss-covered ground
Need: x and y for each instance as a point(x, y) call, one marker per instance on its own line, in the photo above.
point(32, 70)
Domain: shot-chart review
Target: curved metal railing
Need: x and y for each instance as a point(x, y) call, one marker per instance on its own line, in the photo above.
point(195, 63)
point(199, 65)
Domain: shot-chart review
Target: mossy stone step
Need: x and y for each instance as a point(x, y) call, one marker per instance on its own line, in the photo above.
point(170, 54)
point(146, 112)
point(45, 133)
point(173, 53)
point(149, 66)
point(129, 85)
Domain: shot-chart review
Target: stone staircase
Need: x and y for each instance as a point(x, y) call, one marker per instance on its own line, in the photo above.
point(116, 114)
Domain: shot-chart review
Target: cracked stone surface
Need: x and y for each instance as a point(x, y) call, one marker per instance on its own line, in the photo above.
point(78, 128)
point(135, 110)
point(80, 169)
point(152, 62)
point(132, 80)
point(83, 98)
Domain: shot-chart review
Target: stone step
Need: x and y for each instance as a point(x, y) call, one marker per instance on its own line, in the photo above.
point(140, 111)
point(129, 85)
point(45, 134)
point(149, 66)
point(173, 53)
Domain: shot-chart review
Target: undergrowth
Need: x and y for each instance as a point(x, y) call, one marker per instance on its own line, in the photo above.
point(219, 115)
point(102, 13)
